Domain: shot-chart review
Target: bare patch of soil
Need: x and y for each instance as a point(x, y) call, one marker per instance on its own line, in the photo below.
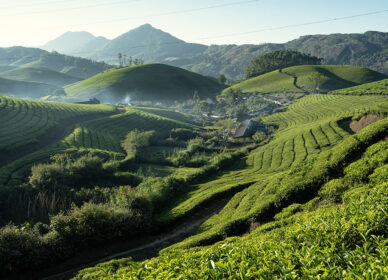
point(366, 120)
point(352, 126)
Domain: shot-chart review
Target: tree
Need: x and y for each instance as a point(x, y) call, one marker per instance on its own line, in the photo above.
point(205, 107)
point(222, 79)
point(120, 56)
point(226, 124)
point(130, 60)
point(136, 139)
point(196, 103)
point(85, 72)
point(278, 60)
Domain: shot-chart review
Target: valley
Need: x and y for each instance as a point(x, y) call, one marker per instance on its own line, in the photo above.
point(144, 156)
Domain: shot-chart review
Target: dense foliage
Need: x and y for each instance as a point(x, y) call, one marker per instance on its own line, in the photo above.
point(94, 191)
point(278, 60)
point(317, 239)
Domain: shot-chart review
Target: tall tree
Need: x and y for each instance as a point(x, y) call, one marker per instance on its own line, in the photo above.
point(277, 60)
point(120, 56)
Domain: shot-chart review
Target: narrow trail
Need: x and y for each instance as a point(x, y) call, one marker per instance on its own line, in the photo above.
point(295, 81)
point(50, 137)
point(138, 249)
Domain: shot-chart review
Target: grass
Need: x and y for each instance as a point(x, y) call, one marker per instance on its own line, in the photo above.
point(321, 238)
point(332, 78)
point(309, 129)
point(379, 87)
point(39, 75)
point(167, 84)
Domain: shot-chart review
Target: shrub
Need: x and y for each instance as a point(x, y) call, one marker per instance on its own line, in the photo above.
point(333, 190)
point(183, 134)
point(49, 176)
point(136, 139)
point(16, 247)
point(41, 228)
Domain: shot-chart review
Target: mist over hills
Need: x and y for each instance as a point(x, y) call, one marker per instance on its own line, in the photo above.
point(369, 49)
point(81, 68)
point(149, 82)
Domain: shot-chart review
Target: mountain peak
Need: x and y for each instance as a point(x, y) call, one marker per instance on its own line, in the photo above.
point(69, 41)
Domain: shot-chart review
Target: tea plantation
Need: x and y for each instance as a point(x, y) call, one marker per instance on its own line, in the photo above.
point(330, 220)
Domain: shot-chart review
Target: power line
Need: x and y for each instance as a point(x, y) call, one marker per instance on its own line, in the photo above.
point(81, 7)
point(258, 31)
point(295, 25)
point(34, 4)
point(169, 13)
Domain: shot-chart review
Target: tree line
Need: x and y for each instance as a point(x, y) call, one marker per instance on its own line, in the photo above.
point(128, 61)
point(277, 60)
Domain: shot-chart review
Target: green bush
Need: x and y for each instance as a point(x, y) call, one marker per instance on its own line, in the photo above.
point(183, 134)
point(17, 247)
point(49, 176)
point(333, 190)
point(85, 171)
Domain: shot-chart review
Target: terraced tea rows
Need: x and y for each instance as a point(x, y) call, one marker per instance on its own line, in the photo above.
point(306, 129)
point(23, 121)
point(107, 133)
point(104, 133)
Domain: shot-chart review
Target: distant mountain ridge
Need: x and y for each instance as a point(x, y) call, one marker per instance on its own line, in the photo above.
point(369, 49)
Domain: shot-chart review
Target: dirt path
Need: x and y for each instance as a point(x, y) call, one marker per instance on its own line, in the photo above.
point(50, 137)
point(141, 248)
point(295, 81)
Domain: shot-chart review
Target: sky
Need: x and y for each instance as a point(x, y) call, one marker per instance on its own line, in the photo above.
point(34, 22)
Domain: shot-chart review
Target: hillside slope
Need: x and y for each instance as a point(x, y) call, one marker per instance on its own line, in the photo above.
point(149, 44)
point(69, 42)
point(31, 57)
point(40, 75)
point(315, 194)
point(298, 79)
point(379, 87)
point(23, 89)
point(368, 49)
point(150, 82)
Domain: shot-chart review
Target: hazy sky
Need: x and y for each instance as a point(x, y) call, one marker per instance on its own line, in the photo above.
point(34, 22)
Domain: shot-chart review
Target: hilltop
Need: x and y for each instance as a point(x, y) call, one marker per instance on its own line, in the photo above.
point(69, 42)
point(153, 45)
point(298, 79)
point(23, 89)
point(32, 57)
point(379, 87)
point(149, 44)
point(40, 75)
point(150, 82)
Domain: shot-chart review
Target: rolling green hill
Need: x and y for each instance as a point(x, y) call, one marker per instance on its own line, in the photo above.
point(31, 57)
point(314, 194)
point(23, 89)
point(6, 68)
point(368, 49)
point(150, 82)
point(40, 75)
point(305, 190)
point(297, 79)
point(379, 87)
point(23, 122)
